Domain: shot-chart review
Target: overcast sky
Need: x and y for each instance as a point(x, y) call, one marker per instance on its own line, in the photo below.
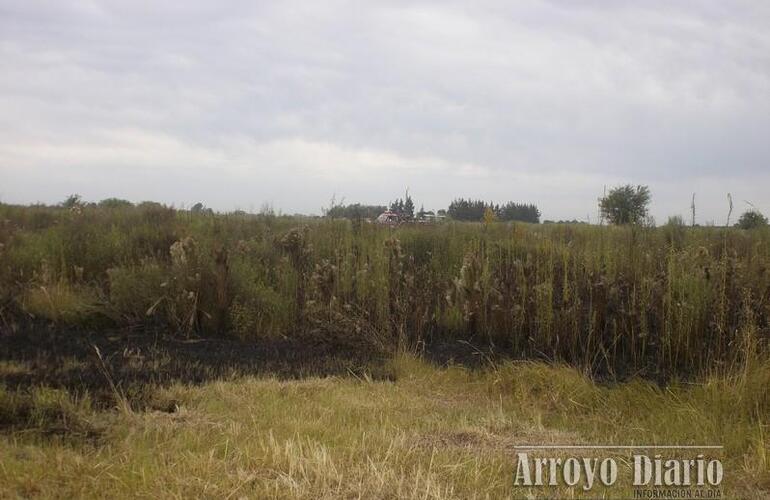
point(236, 104)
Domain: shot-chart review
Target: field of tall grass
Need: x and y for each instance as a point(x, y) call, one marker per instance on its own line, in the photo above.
point(147, 351)
point(660, 302)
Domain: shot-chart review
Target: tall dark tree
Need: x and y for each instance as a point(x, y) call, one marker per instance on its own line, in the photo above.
point(512, 211)
point(397, 206)
point(468, 210)
point(408, 206)
point(625, 204)
point(404, 207)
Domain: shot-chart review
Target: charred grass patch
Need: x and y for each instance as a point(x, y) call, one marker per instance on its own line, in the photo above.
point(139, 361)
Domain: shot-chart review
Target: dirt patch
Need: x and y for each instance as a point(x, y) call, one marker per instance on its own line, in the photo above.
point(456, 440)
point(483, 440)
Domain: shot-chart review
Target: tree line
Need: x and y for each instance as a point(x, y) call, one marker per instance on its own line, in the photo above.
point(460, 209)
point(355, 211)
point(474, 210)
point(622, 205)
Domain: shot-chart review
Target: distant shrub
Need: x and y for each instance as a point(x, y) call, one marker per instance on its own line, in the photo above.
point(752, 219)
point(114, 203)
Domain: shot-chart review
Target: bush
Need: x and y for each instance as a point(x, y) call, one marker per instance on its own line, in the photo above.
point(752, 219)
point(62, 304)
point(135, 292)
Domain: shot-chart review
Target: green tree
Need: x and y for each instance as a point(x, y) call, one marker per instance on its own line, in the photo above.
point(408, 206)
point(751, 219)
point(404, 207)
point(474, 210)
point(625, 204)
point(355, 211)
point(397, 206)
point(519, 212)
point(470, 210)
point(115, 203)
point(72, 201)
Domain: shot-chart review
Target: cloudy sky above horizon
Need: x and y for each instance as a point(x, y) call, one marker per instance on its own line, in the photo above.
point(241, 103)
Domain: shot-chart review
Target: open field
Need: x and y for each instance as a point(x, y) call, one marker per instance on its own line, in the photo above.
point(151, 352)
point(425, 433)
point(390, 249)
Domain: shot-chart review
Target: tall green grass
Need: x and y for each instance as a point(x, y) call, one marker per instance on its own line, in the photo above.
point(659, 302)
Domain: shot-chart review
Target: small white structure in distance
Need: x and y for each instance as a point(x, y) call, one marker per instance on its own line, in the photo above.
point(388, 218)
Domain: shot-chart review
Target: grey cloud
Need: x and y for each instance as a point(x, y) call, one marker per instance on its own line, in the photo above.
point(543, 101)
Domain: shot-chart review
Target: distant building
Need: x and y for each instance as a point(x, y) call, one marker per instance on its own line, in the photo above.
point(430, 217)
point(388, 218)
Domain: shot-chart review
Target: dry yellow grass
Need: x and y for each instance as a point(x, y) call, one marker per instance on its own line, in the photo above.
point(433, 433)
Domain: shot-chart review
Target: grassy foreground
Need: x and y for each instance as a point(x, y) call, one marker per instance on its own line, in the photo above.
point(427, 433)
